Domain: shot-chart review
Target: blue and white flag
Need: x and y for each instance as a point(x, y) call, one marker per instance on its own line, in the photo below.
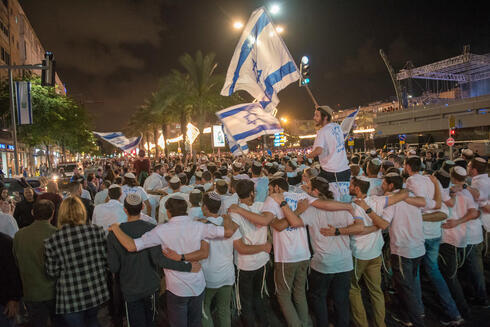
point(119, 140)
point(246, 122)
point(348, 122)
point(261, 64)
point(235, 148)
point(23, 102)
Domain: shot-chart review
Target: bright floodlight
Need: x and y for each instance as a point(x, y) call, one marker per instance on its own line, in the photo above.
point(275, 9)
point(284, 119)
point(279, 29)
point(305, 60)
point(237, 25)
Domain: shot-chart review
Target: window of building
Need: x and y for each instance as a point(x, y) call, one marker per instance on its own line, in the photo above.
point(4, 28)
point(5, 56)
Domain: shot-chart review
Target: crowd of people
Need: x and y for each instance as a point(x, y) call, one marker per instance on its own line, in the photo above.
point(218, 240)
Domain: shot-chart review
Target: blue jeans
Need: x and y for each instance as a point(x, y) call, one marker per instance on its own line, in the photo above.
point(474, 268)
point(86, 318)
point(431, 268)
point(183, 311)
point(338, 286)
point(142, 312)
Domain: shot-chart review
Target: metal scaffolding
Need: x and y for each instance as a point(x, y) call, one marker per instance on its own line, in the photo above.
point(464, 68)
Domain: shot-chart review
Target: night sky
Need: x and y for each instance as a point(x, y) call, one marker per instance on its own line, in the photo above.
point(111, 54)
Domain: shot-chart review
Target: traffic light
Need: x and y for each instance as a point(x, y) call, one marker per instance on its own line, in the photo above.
point(452, 132)
point(48, 76)
point(304, 71)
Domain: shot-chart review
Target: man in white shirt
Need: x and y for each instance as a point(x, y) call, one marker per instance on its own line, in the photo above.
point(251, 266)
point(153, 186)
point(422, 186)
point(101, 196)
point(218, 267)
point(175, 185)
point(330, 149)
point(407, 247)
point(185, 290)
point(332, 260)
point(8, 224)
point(372, 169)
point(455, 237)
point(110, 212)
point(366, 250)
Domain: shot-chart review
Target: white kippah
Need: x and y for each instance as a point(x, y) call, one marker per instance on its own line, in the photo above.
point(480, 159)
point(176, 196)
point(376, 162)
point(467, 152)
point(133, 199)
point(114, 186)
point(363, 178)
point(196, 191)
point(129, 175)
point(199, 174)
point(393, 174)
point(460, 171)
point(214, 196)
point(174, 180)
point(269, 164)
point(278, 174)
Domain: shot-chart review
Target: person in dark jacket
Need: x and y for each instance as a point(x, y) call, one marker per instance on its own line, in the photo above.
point(23, 209)
point(140, 273)
point(75, 189)
point(10, 284)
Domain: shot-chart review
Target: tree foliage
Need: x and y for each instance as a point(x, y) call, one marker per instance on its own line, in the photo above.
point(57, 120)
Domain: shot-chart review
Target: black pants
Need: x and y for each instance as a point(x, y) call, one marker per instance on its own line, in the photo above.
point(450, 258)
point(338, 285)
point(253, 301)
point(142, 312)
point(41, 312)
point(184, 311)
point(343, 176)
point(405, 272)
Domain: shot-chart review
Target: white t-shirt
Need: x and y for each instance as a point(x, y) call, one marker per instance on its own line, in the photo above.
point(135, 189)
point(333, 157)
point(457, 236)
point(406, 231)
point(422, 186)
point(251, 235)
point(375, 186)
point(291, 244)
point(331, 254)
point(154, 182)
point(227, 201)
point(162, 212)
point(482, 184)
point(183, 235)
point(218, 267)
point(8, 224)
point(367, 247)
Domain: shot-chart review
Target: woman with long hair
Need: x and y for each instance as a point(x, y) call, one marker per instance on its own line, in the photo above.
point(76, 257)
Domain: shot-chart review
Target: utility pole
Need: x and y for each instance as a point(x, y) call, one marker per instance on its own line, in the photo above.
point(48, 75)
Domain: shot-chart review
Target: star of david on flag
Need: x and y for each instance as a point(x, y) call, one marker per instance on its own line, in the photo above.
point(261, 64)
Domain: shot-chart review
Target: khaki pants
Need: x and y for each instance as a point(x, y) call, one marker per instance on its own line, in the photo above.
point(370, 271)
point(290, 280)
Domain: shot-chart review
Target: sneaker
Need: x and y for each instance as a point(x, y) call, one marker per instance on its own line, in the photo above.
point(401, 321)
point(455, 322)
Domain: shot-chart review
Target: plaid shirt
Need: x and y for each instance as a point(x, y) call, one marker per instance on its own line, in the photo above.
point(77, 257)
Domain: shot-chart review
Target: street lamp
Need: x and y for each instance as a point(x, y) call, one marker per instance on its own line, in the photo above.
point(279, 29)
point(284, 119)
point(238, 25)
point(275, 9)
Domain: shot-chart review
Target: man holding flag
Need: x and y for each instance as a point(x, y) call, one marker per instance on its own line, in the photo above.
point(330, 149)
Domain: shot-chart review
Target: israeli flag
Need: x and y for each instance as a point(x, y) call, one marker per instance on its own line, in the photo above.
point(261, 64)
point(246, 122)
point(23, 102)
point(119, 140)
point(348, 122)
point(235, 148)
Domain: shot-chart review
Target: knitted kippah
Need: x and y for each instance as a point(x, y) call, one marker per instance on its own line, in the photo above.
point(133, 199)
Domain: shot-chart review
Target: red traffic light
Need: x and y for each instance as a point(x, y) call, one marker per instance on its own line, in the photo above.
point(452, 132)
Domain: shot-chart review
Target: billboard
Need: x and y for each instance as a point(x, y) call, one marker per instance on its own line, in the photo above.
point(218, 137)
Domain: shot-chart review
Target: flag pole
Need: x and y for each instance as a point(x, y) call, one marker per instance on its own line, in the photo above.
point(311, 96)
